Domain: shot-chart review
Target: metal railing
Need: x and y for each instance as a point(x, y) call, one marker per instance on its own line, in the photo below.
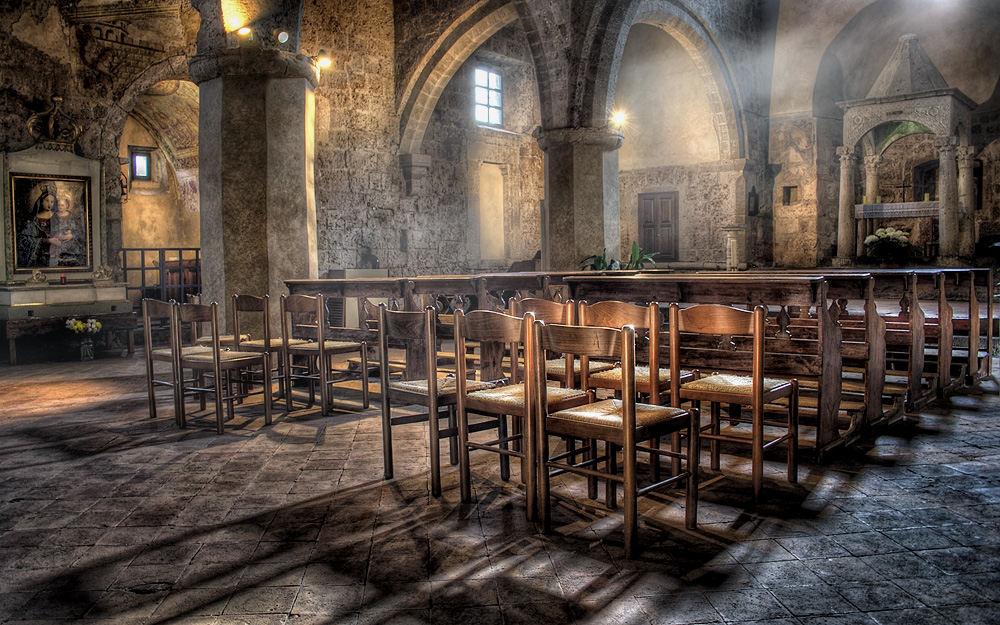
point(163, 273)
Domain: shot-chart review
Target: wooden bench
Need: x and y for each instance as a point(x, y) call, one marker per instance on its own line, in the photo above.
point(15, 329)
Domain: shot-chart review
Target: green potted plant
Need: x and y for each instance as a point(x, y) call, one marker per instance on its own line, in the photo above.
point(637, 260)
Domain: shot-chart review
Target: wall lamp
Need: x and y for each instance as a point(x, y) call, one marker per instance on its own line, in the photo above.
point(323, 59)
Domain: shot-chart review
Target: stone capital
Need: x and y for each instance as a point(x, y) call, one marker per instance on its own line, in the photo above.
point(872, 161)
point(606, 139)
point(265, 62)
point(846, 154)
point(966, 156)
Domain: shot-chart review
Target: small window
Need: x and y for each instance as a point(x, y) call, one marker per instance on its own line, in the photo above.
point(489, 99)
point(789, 195)
point(141, 163)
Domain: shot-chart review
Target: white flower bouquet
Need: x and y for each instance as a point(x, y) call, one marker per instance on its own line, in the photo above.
point(888, 244)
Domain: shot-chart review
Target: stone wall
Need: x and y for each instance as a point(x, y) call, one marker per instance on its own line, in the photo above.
point(449, 242)
point(707, 197)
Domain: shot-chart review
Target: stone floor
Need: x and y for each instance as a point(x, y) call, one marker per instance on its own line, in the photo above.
point(109, 516)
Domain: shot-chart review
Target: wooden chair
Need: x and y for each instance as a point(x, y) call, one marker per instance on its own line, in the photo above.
point(647, 321)
point(418, 384)
point(495, 332)
point(319, 351)
point(261, 307)
point(161, 312)
point(559, 369)
point(197, 338)
point(231, 371)
point(622, 424)
point(755, 390)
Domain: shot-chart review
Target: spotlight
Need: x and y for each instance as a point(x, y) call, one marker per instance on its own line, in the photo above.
point(618, 119)
point(281, 36)
point(323, 59)
point(244, 31)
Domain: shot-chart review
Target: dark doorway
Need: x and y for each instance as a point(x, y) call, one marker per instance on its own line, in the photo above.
point(658, 224)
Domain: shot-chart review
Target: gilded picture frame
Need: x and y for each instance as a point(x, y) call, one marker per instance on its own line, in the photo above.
point(51, 223)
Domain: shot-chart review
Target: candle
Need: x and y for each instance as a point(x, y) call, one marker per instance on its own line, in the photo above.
point(878, 199)
point(864, 199)
point(927, 197)
point(62, 279)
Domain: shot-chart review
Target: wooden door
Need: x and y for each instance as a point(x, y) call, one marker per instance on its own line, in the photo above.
point(658, 224)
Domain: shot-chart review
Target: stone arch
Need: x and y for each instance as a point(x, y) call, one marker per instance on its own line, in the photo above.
point(105, 137)
point(434, 71)
point(111, 126)
point(707, 55)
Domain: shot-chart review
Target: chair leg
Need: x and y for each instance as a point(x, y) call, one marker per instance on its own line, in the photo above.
point(693, 462)
point(220, 398)
point(757, 453)
point(266, 389)
point(434, 431)
point(542, 470)
point(716, 415)
point(324, 384)
point(453, 439)
point(610, 485)
point(464, 471)
point(266, 386)
point(387, 468)
point(630, 495)
point(591, 455)
point(364, 376)
point(793, 427)
point(529, 474)
point(287, 376)
point(504, 458)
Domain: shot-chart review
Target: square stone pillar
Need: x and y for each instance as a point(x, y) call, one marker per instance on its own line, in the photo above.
point(581, 213)
point(256, 149)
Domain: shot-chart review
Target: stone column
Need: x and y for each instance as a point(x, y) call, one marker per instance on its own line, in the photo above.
point(256, 144)
point(871, 193)
point(966, 201)
point(847, 225)
point(948, 219)
point(581, 214)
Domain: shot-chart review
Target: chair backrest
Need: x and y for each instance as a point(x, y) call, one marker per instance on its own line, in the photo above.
point(251, 304)
point(303, 312)
point(544, 310)
point(155, 310)
point(495, 332)
point(587, 342)
point(196, 314)
point(646, 320)
point(724, 321)
point(416, 332)
point(548, 311)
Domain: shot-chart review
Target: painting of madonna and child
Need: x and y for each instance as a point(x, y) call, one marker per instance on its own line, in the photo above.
point(51, 222)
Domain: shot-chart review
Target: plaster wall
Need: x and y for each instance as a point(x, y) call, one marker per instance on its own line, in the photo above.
point(155, 214)
point(661, 92)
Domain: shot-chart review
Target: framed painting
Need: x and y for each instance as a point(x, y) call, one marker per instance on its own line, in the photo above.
point(51, 222)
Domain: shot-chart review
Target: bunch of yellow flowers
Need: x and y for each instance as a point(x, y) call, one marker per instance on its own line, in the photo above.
point(90, 326)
